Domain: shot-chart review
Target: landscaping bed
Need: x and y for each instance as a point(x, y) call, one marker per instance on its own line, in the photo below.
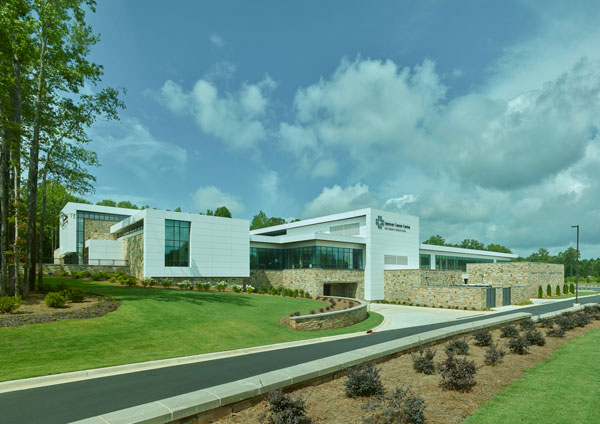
point(35, 311)
point(327, 402)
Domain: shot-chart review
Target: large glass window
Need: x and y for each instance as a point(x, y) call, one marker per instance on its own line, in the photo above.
point(424, 261)
point(177, 243)
point(82, 217)
point(457, 262)
point(306, 257)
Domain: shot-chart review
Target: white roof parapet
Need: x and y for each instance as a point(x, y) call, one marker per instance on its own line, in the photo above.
point(312, 221)
point(460, 250)
point(306, 237)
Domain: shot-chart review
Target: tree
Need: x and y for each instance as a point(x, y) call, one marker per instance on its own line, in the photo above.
point(494, 247)
point(261, 220)
point(223, 212)
point(436, 240)
point(128, 205)
point(107, 202)
point(471, 244)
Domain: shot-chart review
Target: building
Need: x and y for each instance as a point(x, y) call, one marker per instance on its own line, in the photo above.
point(368, 253)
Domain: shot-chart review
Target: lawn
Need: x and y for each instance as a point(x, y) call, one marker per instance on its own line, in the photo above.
point(581, 293)
point(563, 389)
point(154, 324)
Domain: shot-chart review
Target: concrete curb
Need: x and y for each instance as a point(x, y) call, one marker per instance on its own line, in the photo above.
point(203, 401)
point(578, 307)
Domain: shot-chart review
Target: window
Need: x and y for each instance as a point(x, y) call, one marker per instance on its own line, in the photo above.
point(306, 257)
point(395, 260)
point(177, 243)
point(457, 262)
point(424, 261)
point(82, 217)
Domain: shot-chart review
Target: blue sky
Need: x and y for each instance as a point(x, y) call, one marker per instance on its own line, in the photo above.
point(478, 117)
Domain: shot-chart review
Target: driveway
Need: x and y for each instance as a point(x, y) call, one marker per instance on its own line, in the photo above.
point(399, 316)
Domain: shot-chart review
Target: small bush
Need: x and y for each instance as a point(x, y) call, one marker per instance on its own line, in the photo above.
point(74, 295)
point(146, 282)
point(592, 311)
point(519, 345)
point(509, 331)
point(549, 290)
point(152, 282)
point(540, 292)
point(166, 283)
point(77, 275)
point(403, 406)
point(535, 338)
point(556, 332)
point(63, 273)
point(566, 322)
point(457, 347)
point(236, 288)
point(55, 300)
point(96, 277)
point(494, 355)
point(572, 288)
point(557, 290)
point(112, 279)
point(546, 322)
point(363, 380)
point(221, 286)
point(206, 286)
point(9, 304)
point(184, 285)
point(483, 337)
point(528, 324)
point(457, 374)
point(286, 410)
point(87, 274)
point(250, 289)
point(262, 289)
point(581, 319)
point(307, 295)
point(423, 361)
point(565, 288)
point(130, 282)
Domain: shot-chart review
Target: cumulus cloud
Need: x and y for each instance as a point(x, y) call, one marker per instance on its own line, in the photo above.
point(211, 197)
point(216, 40)
point(337, 199)
point(235, 118)
point(130, 144)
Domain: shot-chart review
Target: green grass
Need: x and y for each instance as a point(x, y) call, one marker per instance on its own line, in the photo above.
point(562, 389)
point(154, 324)
point(572, 295)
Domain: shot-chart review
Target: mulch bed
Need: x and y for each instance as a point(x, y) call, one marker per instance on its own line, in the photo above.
point(326, 402)
point(34, 310)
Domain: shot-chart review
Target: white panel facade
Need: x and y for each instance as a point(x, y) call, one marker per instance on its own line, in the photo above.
point(390, 234)
point(219, 247)
point(99, 250)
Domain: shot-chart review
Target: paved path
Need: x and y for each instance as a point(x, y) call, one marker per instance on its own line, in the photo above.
point(68, 402)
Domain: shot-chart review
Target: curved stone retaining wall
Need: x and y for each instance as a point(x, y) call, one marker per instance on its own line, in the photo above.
point(329, 320)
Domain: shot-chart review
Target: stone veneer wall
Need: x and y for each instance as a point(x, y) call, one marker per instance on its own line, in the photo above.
point(310, 279)
point(97, 230)
point(441, 277)
point(55, 269)
point(456, 296)
point(133, 249)
point(531, 274)
point(329, 320)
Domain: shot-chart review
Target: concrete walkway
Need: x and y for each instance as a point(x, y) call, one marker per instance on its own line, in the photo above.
point(399, 316)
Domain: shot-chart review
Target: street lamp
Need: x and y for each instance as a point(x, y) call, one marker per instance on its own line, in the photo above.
point(577, 267)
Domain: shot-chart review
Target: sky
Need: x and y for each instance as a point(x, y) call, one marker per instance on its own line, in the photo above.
point(479, 117)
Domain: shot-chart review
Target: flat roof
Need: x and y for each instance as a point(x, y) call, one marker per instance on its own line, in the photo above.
point(312, 221)
point(460, 250)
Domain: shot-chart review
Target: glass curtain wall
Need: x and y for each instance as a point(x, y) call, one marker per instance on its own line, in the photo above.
point(306, 257)
point(457, 262)
point(82, 216)
point(177, 243)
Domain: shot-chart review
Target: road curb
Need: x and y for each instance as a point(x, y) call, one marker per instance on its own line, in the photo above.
point(202, 402)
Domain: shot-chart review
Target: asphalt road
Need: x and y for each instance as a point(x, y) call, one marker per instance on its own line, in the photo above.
point(63, 403)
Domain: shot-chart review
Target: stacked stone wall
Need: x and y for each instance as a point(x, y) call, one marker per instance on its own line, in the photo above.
point(452, 296)
point(133, 249)
point(530, 274)
point(97, 230)
point(56, 269)
point(329, 320)
point(441, 277)
point(267, 278)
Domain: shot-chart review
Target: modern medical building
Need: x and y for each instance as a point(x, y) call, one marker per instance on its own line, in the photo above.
point(369, 254)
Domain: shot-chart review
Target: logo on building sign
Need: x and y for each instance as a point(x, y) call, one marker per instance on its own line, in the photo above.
point(390, 226)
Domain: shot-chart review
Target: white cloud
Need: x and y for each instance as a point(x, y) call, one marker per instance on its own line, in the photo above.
point(325, 168)
point(210, 197)
point(217, 40)
point(399, 203)
point(130, 144)
point(234, 118)
point(337, 199)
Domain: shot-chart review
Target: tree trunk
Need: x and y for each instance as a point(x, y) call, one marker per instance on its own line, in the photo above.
point(4, 195)
point(32, 175)
point(17, 181)
point(41, 238)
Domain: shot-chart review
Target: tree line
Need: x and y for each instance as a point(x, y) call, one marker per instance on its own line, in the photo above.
point(49, 96)
point(438, 240)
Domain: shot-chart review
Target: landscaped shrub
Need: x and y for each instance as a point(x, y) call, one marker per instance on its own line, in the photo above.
point(130, 282)
point(9, 304)
point(286, 410)
point(509, 331)
point(262, 289)
point(494, 355)
point(483, 337)
point(457, 347)
point(55, 300)
point(566, 322)
point(236, 288)
point(556, 332)
point(184, 285)
point(581, 319)
point(423, 361)
point(87, 274)
point(535, 338)
point(74, 294)
point(112, 278)
point(363, 380)
point(540, 292)
point(96, 277)
point(221, 286)
point(592, 311)
point(528, 324)
point(166, 283)
point(557, 290)
point(457, 374)
point(572, 288)
point(565, 289)
point(549, 290)
point(307, 295)
point(77, 275)
point(250, 289)
point(546, 322)
point(122, 279)
point(145, 282)
point(403, 406)
point(63, 273)
point(519, 345)
point(273, 291)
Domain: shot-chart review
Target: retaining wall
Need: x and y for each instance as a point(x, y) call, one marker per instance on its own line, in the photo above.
point(329, 320)
point(56, 269)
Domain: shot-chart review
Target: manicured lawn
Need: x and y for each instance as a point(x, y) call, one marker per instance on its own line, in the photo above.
point(563, 389)
point(154, 324)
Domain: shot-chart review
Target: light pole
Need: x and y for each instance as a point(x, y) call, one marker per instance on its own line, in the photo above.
point(577, 267)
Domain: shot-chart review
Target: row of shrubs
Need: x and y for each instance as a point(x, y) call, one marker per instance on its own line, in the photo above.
point(58, 299)
point(97, 276)
point(456, 373)
point(566, 289)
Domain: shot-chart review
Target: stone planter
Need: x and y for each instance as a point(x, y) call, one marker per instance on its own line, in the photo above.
point(330, 320)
